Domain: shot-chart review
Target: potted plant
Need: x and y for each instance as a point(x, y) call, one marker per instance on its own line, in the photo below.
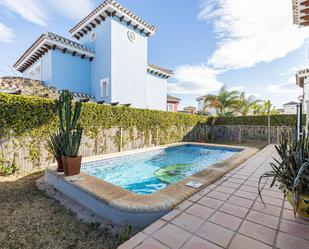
point(71, 132)
point(55, 147)
point(291, 174)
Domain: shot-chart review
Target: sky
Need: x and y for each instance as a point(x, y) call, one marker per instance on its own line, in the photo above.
point(246, 45)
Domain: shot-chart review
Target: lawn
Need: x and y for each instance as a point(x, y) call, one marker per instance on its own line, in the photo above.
point(31, 219)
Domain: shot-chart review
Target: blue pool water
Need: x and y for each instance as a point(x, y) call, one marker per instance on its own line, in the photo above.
point(145, 173)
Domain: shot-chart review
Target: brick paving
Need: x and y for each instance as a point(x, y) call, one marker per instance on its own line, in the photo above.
point(229, 214)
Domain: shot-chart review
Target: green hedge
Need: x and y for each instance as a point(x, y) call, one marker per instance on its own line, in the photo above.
point(27, 115)
point(275, 120)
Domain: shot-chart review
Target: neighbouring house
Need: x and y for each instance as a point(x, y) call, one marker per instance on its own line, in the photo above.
point(300, 12)
point(302, 80)
point(109, 61)
point(201, 106)
point(172, 103)
point(190, 109)
point(290, 108)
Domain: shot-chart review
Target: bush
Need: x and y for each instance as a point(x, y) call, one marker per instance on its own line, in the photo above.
point(275, 120)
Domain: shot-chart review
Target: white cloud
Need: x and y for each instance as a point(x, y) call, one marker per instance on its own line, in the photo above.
point(194, 79)
point(236, 88)
point(6, 34)
point(30, 10)
point(76, 9)
point(252, 31)
point(284, 88)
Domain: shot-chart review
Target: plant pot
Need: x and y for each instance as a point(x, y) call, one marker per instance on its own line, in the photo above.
point(303, 208)
point(59, 165)
point(71, 165)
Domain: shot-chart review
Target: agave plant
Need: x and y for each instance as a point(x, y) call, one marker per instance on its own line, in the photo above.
point(291, 172)
point(55, 145)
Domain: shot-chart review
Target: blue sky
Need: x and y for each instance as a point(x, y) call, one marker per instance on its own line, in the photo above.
point(247, 45)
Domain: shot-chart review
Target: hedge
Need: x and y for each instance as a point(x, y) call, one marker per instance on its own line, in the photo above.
point(25, 115)
point(275, 120)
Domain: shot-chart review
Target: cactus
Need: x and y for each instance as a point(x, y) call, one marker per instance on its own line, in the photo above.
point(70, 130)
point(55, 145)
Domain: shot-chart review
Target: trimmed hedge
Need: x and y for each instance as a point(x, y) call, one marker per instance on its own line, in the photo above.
point(25, 114)
point(275, 120)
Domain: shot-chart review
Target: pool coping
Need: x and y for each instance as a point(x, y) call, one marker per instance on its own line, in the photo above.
point(159, 202)
point(169, 196)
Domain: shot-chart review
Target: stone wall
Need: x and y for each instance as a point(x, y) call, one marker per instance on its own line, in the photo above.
point(248, 133)
point(29, 155)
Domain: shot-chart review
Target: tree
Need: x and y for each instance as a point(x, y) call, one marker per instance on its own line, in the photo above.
point(257, 109)
point(246, 103)
point(225, 103)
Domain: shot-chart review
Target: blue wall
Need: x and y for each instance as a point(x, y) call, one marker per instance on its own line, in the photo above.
point(70, 72)
point(101, 65)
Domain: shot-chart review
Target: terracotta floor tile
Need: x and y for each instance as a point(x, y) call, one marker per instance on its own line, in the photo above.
point(218, 195)
point(287, 205)
point(198, 243)
point(171, 236)
point(226, 220)
point(263, 219)
point(235, 180)
point(210, 202)
point(200, 211)
point(154, 227)
point(196, 197)
point(230, 185)
point(226, 190)
point(215, 234)
point(170, 215)
point(269, 209)
point(294, 228)
point(258, 232)
point(239, 201)
point(273, 194)
point(271, 201)
point(184, 205)
point(234, 210)
point(151, 244)
point(251, 184)
point(287, 241)
point(245, 194)
point(243, 242)
point(188, 222)
point(249, 189)
point(134, 241)
point(289, 215)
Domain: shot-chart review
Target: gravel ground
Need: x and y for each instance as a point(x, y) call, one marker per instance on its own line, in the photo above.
point(32, 219)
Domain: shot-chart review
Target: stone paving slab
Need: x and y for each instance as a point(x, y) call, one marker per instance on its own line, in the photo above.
point(229, 214)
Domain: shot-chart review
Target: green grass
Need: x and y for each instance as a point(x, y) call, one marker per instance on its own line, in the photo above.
point(31, 219)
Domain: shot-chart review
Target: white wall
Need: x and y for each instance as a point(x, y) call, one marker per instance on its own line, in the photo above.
point(128, 66)
point(156, 92)
point(289, 109)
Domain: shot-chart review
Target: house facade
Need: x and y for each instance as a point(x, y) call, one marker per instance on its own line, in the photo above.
point(172, 103)
point(290, 108)
point(109, 61)
point(190, 109)
point(201, 106)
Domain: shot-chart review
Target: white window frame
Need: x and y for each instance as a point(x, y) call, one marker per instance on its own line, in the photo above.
point(170, 107)
point(104, 82)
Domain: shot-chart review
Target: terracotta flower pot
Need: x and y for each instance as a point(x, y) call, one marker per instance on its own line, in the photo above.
point(60, 165)
point(71, 165)
point(303, 208)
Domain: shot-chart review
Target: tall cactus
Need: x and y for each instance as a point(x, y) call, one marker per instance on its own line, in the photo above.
point(68, 123)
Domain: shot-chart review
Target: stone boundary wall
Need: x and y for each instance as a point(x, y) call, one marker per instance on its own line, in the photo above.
point(248, 133)
point(29, 158)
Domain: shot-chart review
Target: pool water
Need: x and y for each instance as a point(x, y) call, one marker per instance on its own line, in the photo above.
point(147, 172)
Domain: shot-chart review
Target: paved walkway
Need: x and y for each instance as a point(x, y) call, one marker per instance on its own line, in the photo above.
point(229, 214)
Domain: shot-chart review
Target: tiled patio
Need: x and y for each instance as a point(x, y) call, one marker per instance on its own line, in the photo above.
point(229, 214)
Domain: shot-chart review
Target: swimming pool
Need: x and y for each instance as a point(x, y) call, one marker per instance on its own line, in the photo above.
point(148, 172)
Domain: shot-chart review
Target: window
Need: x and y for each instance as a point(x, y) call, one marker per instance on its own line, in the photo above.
point(104, 88)
point(170, 107)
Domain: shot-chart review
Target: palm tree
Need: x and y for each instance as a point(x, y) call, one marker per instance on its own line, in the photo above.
point(257, 109)
point(225, 102)
point(246, 103)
